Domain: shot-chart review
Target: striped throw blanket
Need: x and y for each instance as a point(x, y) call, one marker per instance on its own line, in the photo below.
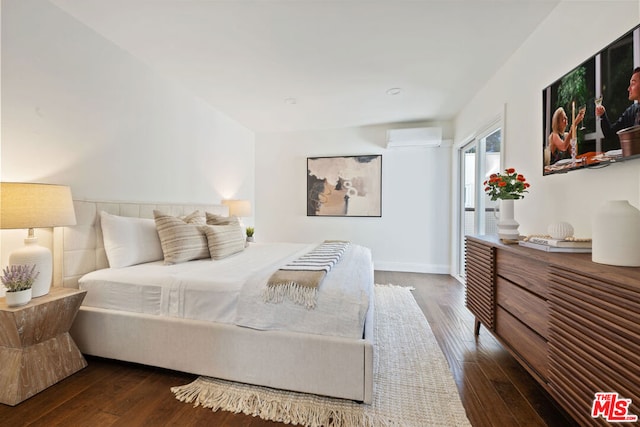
point(299, 280)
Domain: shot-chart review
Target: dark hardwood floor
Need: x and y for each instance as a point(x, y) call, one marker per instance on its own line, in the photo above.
point(494, 389)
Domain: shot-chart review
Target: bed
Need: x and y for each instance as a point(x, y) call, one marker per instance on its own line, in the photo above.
point(162, 323)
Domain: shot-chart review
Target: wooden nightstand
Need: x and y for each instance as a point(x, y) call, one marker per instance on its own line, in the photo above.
point(36, 350)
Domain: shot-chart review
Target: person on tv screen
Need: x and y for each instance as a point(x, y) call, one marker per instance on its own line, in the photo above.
point(630, 116)
point(559, 140)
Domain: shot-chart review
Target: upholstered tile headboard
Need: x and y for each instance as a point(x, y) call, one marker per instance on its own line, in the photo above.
point(79, 249)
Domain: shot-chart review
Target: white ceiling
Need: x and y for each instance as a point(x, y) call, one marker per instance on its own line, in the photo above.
point(336, 58)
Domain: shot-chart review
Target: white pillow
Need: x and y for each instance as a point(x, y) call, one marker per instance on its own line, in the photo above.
point(129, 241)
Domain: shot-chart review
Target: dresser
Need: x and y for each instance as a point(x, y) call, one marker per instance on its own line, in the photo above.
point(573, 324)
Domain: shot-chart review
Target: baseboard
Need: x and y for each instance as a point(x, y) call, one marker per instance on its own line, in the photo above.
point(412, 267)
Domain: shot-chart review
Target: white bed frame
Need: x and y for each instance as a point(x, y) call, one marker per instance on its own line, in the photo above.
point(330, 366)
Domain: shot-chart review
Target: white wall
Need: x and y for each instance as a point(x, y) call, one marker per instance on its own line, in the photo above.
point(573, 32)
point(411, 235)
point(78, 110)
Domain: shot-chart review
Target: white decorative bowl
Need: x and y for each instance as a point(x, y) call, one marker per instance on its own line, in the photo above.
point(560, 230)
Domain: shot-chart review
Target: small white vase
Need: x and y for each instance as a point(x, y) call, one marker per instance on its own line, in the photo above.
point(16, 299)
point(615, 234)
point(507, 225)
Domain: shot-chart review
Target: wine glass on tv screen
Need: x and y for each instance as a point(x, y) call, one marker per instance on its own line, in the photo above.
point(603, 79)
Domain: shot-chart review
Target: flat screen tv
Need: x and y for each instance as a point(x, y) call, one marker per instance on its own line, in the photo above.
point(604, 78)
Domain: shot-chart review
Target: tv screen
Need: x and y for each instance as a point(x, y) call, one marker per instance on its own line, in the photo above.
point(576, 134)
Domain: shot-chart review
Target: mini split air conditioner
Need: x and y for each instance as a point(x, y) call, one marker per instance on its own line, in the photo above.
point(414, 137)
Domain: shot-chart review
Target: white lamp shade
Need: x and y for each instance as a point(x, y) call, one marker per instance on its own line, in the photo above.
point(26, 205)
point(239, 208)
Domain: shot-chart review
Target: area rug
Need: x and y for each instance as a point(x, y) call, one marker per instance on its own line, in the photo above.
point(412, 382)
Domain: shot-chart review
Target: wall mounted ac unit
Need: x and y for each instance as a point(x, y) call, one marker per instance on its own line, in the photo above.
point(414, 137)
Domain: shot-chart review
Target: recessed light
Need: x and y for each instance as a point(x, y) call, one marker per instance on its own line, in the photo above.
point(394, 91)
point(290, 101)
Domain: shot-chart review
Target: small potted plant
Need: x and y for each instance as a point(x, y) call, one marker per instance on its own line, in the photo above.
point(250, 231)
point(18, 279)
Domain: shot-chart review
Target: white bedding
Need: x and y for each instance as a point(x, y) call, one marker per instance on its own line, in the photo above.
point(230, 291)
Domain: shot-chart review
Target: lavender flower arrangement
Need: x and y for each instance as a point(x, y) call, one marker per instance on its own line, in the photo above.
point(18, 277)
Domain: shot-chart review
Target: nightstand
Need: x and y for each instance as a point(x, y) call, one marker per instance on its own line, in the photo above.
point(36, 350)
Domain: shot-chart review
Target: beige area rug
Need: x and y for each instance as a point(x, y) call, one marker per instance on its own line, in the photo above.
point(412, 382)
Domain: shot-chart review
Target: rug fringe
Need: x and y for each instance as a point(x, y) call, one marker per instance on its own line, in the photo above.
point(216, 395)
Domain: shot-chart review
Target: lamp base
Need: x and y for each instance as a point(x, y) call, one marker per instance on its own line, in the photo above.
point(30, 254)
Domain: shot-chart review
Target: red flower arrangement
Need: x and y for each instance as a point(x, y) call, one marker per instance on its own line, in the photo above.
point(510, 185)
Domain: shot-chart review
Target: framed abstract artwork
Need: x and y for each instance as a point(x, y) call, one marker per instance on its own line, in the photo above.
point(344, 186)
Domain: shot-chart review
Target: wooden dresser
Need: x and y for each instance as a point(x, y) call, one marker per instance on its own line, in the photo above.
point(572, 323)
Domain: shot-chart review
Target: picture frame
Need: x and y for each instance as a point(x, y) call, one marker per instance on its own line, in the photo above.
point(344, 186)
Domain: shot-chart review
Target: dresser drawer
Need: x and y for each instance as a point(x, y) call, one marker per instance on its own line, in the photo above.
point(528, 307)
point(529, 346)
point(526, 272)
point(480, 274)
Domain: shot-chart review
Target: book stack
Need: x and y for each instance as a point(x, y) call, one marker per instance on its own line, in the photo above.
point(557, 245)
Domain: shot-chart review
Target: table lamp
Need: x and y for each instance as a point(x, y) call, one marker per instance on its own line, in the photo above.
point(27, 205)
point(238, 208)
